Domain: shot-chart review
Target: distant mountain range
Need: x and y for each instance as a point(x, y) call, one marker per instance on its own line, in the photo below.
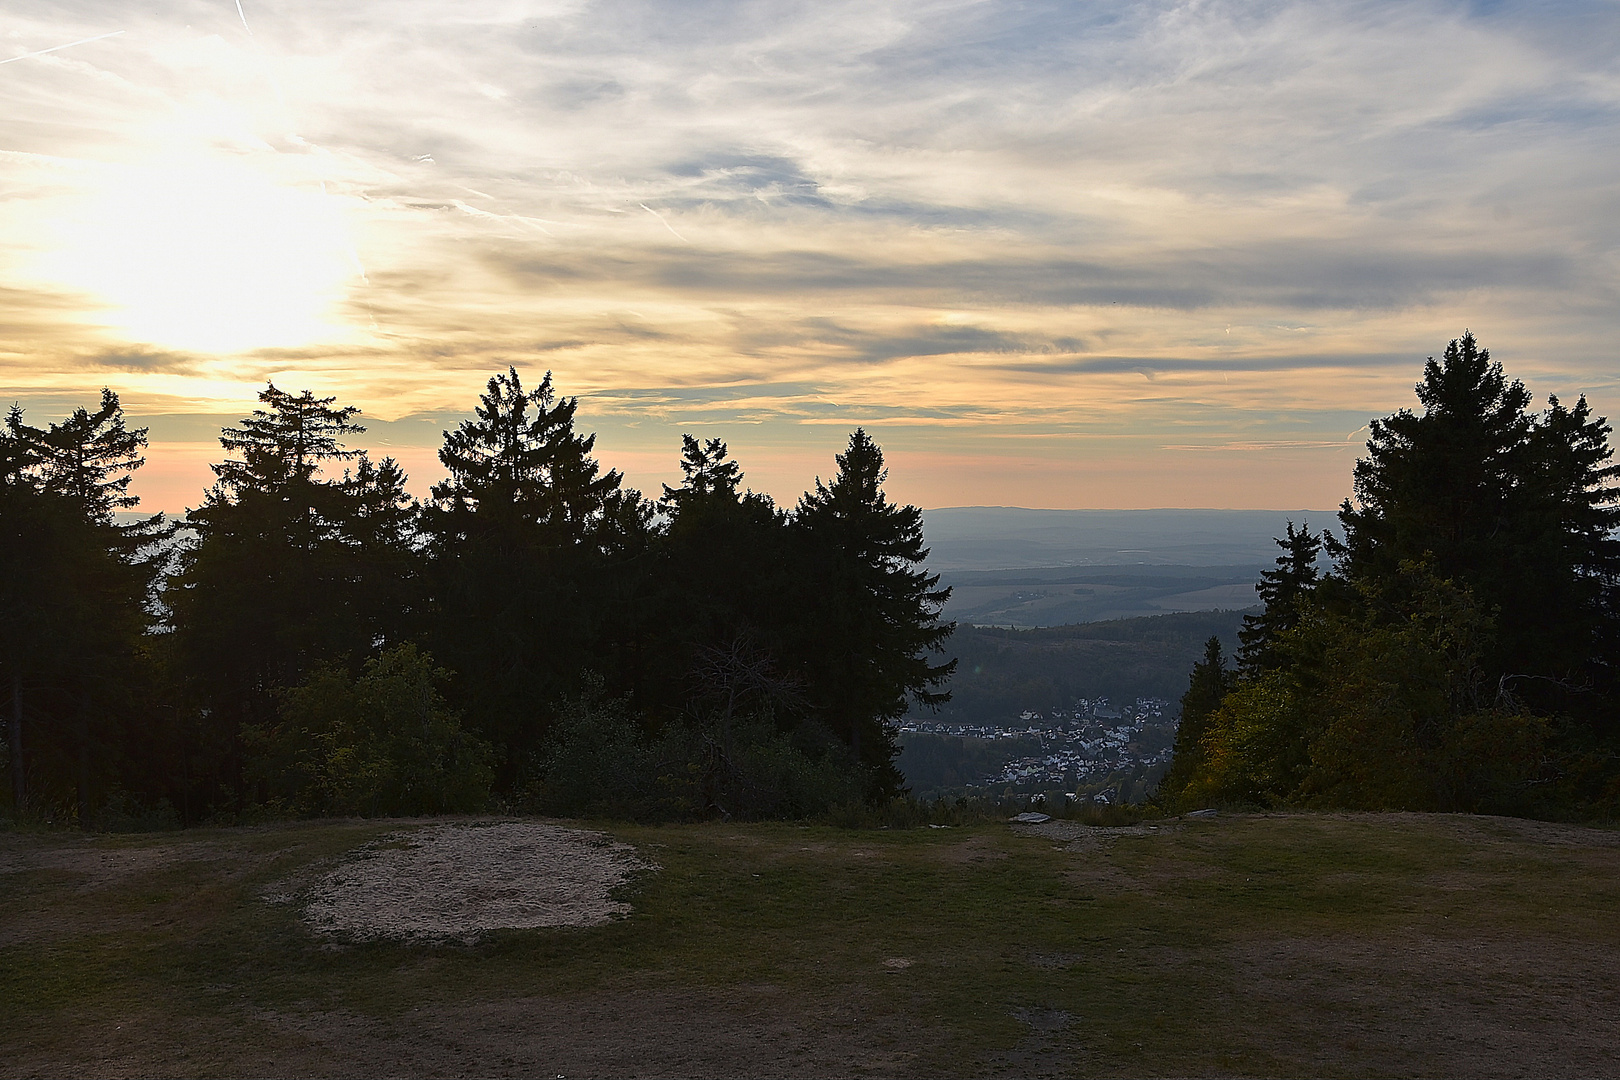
point(1010, 566)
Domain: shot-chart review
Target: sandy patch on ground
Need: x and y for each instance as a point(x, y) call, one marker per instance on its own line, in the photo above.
point(1073, 836)
point(459, 880)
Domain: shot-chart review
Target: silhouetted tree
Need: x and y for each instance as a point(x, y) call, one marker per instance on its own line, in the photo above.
point(708, 473)
point(288, 567)
point(1518, 508)
point(726, 573)
point(1460, 656)
point(876, 610)
point(524, 533)
point(74, 604)
point(1283, 591)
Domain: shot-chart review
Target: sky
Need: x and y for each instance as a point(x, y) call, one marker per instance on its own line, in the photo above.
point(1067, 255)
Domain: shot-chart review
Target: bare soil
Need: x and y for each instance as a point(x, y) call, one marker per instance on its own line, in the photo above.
point(741, 1031)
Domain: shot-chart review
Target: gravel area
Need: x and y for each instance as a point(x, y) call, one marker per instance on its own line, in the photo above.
point(459, 880)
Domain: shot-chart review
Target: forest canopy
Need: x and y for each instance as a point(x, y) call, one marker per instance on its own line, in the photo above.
point(535, 635)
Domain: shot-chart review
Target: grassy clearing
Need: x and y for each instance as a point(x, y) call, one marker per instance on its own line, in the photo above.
point(1259, 945)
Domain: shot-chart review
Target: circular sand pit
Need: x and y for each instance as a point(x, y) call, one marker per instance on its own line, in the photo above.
point(459, 880)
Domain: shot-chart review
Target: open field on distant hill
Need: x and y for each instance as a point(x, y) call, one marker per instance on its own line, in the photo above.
point(1251, 945)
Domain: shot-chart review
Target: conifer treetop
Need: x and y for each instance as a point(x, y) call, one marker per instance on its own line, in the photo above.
point(88, 458)
point(286, 443)
point(520, 455)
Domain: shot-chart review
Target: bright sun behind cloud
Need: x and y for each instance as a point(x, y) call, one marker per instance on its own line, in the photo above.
point(210, 256)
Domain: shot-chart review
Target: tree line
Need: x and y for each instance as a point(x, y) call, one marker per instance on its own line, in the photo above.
point(1459, 650)
point(311, 639)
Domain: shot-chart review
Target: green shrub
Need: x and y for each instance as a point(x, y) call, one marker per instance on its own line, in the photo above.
point(124, 812)
point(380, 744)
point(599, 760)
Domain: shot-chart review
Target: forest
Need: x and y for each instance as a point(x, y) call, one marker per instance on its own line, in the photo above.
point(1455, 647)
point(535, 636)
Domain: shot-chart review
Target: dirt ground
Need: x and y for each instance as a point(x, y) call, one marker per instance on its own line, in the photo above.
point(752, 1031)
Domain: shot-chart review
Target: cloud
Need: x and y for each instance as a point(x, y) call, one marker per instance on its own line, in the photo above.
point(1305, 275)
point(1030, 217)
point(139, 359)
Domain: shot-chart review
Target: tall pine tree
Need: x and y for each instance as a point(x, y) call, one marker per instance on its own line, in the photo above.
point(1283, 592)
point(1211, 681)
point(877, 608)
point(727, 580)
point(289, 564)
point(1517, 507)
point(74, 605)
point(526, 534)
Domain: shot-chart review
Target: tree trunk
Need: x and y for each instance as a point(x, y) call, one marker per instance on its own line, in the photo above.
point(19, 784)
point(81, 773)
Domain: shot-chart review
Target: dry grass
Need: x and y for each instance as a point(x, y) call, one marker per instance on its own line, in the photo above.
point(1243, 945)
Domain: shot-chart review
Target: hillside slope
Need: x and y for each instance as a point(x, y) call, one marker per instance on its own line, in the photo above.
point(1001, 673)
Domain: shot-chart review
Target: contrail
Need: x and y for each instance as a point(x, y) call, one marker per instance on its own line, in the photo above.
point(665, 224)
point(59, 48)
point(243, 16)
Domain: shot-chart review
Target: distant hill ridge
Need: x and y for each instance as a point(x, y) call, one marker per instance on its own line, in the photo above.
point(1019, 567)
point(1012, 537)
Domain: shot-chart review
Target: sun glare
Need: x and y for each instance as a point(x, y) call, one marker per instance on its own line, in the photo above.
point(211, 257)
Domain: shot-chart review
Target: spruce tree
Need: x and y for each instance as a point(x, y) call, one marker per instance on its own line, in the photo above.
point(519, 464)
point(1443, 485)
point(1518, 507)
point(90, 458)
point(1573, 553)
point(289, 564)
point(1461, 654)
point(877, 608)
point(708, 473)
point(1206, 689)
point(727, 578)
point(1283, 591)
point(74, 603)
point(526, 539)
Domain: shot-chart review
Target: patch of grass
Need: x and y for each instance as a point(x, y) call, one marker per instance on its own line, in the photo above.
point(1247, 944)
